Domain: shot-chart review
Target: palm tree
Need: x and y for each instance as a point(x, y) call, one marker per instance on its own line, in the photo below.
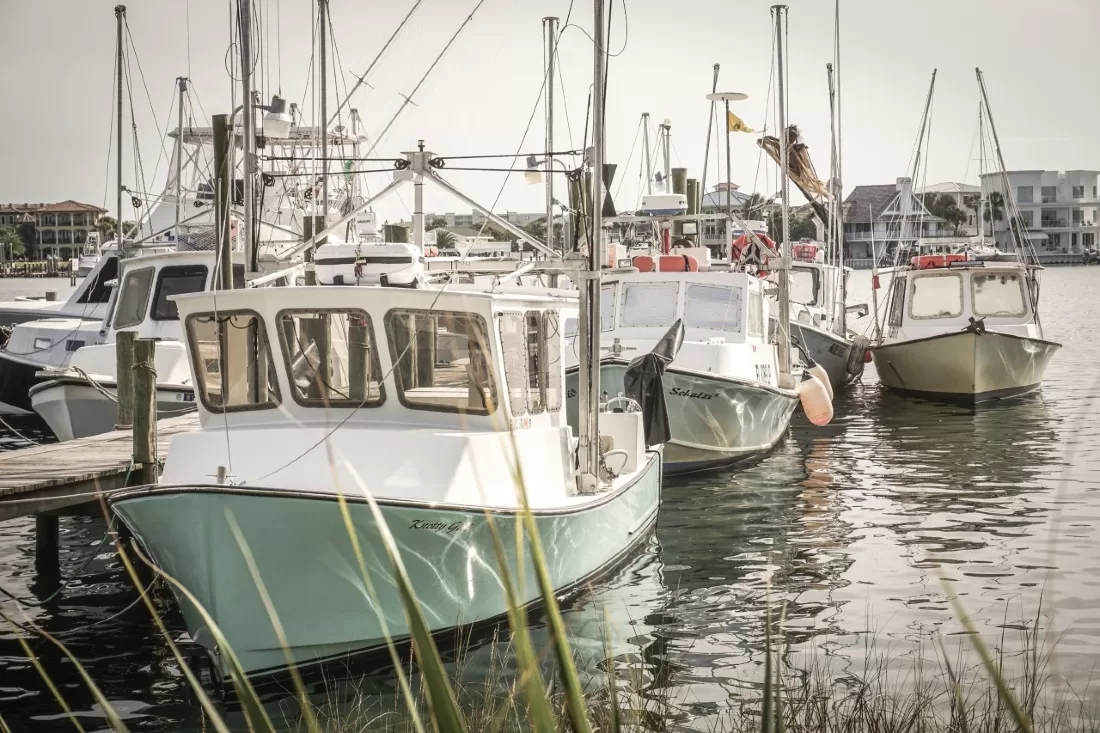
point(444, 239)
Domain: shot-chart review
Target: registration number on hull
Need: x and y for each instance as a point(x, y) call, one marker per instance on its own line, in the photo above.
point(185, 396)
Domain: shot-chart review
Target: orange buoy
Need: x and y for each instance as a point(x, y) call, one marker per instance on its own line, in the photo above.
point(644, 263)
point(815, 399)
point(822, 376)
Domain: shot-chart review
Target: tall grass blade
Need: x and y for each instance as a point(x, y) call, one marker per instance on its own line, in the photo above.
point(538, 703)
point(108, 709)
point(616, 717)
point(307, 708)
point(4, 725)
point(766, 712)
point(45, 675)
point(442, 704)
point(395, 658)
point(254, 712)
point(1023, 723)
point(956, 690)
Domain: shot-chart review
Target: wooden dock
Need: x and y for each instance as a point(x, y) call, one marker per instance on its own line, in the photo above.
point(48, 478)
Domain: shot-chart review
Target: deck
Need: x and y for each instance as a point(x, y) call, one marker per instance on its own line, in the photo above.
point(48, 478)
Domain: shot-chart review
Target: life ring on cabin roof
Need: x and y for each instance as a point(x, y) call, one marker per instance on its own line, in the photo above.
point(745, 240)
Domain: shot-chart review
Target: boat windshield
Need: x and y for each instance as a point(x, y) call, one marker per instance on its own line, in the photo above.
point(232, 361)
point(649, 304)
point(937, 295)
point(714, 307)
point(997, 294)
point(442, 361)
point(804, 284)
point(331, 358)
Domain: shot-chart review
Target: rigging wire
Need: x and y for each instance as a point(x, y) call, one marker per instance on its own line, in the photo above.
point(110, 131)
point(408, 99)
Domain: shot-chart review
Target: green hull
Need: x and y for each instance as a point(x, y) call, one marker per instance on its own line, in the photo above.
point(306, 562)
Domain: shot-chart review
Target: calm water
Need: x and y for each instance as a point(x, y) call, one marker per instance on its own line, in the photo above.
point(853, 526)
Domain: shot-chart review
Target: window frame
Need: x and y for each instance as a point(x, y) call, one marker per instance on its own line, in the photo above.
point(199, 374)
point(733, 326)
point(912, 284)
point(974, 300)
point(168, 269)
point(676, 309)
point(614, 285)
point(896, 313)
point(375, 365)
point(538, 390)
point(144, 308)
point(479, 319)
point(545, 378)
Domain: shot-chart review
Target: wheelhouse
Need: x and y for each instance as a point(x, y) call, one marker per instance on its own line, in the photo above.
point(418, 357)
point(937, 299)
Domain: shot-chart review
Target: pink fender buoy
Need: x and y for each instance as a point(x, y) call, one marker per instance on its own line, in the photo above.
point(815, 399)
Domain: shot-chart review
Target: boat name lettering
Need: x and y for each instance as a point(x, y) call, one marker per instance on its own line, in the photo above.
point(445, 527)
point(569, 393)
point(764, 373)
point(837, 350)
point(693, 395)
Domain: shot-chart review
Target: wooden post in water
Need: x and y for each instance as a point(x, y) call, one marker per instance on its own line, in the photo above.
point(124, 389)
point(145, 413)
point(222, 197)
point(47, 544)
point(679, 185)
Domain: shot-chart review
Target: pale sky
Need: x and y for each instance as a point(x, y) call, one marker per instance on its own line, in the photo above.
point(1040, 60)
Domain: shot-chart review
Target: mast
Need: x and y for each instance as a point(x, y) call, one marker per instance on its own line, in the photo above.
point(648, 162)
point(589, 374)
point(355, 153)
point(729, 187)
point(706, 157)
point(550, 30)
point(322, 16)
point(780, 11)
point(905, 207)
point(249, 124)
point(981, 174)
point(838, 194)
point(120, 19)
point(179, 154)
point(666, 130)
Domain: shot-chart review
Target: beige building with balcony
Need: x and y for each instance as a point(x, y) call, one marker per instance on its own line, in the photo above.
point(60, 229)
point(1060, 210)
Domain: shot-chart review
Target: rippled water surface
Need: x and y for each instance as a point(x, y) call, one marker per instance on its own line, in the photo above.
point(855, 527)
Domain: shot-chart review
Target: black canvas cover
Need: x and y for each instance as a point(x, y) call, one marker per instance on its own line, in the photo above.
point(643, 383)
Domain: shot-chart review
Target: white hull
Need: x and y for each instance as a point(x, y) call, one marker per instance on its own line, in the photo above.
point(75, 409)
point(964, 365)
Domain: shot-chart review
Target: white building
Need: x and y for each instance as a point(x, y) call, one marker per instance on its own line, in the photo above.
point(1060, 211)
point(476, 218)
point(963, 194)
point(880, 218)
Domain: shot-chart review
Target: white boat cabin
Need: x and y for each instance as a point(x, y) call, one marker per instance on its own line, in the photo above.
point(469, 377)
point(724, 315)
point(942, 299)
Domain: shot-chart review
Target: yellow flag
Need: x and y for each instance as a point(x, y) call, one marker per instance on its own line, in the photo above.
point(736, 124)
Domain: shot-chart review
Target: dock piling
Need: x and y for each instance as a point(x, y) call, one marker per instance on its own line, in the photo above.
point(124, 368)
point(145, 412)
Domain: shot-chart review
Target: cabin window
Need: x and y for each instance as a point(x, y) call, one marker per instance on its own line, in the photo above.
point(176, 280)
point(232, 361)
point(756, 313)
point(531, 343)
point(133, 297)
point(897, 303)
point(512, 337)
point(997, 294)
point(550, 361)
point(649, 304)
point(442, 361)
point(607, 307)
point(713, 307)
point(98, 290)
point(331, 358)
point(804, 285)
point(936, 296)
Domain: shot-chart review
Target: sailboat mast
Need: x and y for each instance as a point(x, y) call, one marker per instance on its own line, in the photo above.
point(838, 193)
point(981, 174)
point(322, 16)
point(179, 153)
point(779, 12)
point(550, 28)
point(120, 19)
point(648, 161)
point(706, 160)
point(249, 129)
point(589, 374)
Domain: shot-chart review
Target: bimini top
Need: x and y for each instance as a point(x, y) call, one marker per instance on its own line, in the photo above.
point(406, 356)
